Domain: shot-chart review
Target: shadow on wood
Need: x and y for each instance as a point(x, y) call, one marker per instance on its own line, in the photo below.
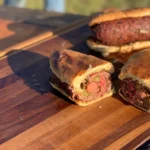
point(28, 98)
point(34, 69)
point(54, 20)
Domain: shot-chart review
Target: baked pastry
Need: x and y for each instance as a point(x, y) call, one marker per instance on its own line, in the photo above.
point(135, 77)
point(82, 78)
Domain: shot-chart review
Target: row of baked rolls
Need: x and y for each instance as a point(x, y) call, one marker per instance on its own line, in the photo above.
point(86, 79)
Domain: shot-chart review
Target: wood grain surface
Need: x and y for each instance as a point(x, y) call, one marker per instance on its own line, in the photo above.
point(35, 116)
point(21, 27)
point(15, 32)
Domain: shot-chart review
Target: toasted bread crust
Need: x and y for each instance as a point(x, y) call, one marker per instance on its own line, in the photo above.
point(138, 68)
point(67, 64)
point(106, 50)
point(133, 13)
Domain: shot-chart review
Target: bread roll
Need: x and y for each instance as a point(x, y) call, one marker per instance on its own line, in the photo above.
point(135, 77)
point(78, 76)
point(120, 31)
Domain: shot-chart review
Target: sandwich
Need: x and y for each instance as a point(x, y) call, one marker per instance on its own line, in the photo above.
point(135, 77)
point(82, 78)
point(120, 31)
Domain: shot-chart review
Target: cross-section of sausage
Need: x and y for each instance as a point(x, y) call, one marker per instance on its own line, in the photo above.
point(136, 93)
point(94, 86)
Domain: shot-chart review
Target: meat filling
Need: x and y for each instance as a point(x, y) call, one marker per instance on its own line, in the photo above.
point(94, 86)
point(136, 93)
point(122, 31)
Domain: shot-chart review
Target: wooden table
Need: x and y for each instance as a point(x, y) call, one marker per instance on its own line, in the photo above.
point(34, 116)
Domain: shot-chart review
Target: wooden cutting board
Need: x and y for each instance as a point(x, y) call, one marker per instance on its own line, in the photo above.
point(35, 116)
point(20, 27)
point(12, 33)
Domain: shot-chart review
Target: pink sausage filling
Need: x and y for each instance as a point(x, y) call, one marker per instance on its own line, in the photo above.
point(96, 85)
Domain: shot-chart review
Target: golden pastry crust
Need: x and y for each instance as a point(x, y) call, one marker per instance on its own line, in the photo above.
point(124, 49)
point(132, 13)
point(138, 68)
point(68, 64)
point(73, 68)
